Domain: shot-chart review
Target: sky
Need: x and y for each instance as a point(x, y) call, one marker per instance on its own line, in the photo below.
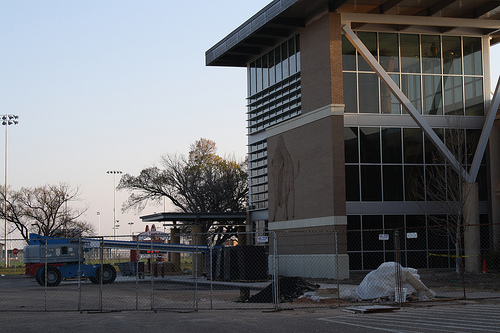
point(102, 85)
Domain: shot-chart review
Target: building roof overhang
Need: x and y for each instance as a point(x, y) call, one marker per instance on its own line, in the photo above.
point(281, 18)
point(194, 217)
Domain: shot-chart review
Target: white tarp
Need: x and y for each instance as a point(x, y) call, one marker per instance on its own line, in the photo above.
point(382, 282)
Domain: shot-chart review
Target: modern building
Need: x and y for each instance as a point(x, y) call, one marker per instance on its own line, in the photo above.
point(352, 110)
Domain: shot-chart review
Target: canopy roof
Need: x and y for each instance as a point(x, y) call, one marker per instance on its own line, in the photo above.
point(281, 18)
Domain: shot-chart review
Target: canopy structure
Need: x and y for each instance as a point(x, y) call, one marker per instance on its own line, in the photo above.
point(173, 218)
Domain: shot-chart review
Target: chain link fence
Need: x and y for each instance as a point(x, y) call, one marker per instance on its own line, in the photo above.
point(193, 272)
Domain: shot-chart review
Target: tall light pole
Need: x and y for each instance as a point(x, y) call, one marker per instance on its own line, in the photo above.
point(7, 119)
point(99, 223)
point(114, 173)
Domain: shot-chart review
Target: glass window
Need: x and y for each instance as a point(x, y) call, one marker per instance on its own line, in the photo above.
point(473, 64)
point(431, 54)
point(414, 182)
point(278, 64)
point(354, 233)
point(432, 154)
point(410, 53)
point(368, 93)
point(371, 189)
point(351, 144)
point(369, 144)
point(433, 95)
point(471, 142)
point(265, 72)
point(389, 102)
point(350, 92)
point(285, 60)
point(474, 99)
point(453, 97)
point(372, 227)
point(435, 180)
point(370, 41)
point(253, 79)
point(348, 55)
point(258, 65)
point(452, 55)
point(352, 182)
point(291, 54)
point(393, 182)
point(411, 88)
point(297, 50)
point(391, 145)
point(389, 51)
point(413, 145)
point(272, 68)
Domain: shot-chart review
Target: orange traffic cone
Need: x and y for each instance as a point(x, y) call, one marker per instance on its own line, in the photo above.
point(485, 269)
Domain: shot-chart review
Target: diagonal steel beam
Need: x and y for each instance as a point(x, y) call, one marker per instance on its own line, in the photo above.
point(485, 134)
point(405, 102)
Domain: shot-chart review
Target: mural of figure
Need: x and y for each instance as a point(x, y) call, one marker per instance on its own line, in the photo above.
point(284, 174)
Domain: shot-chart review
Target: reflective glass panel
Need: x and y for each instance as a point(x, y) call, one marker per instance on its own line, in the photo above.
point(414, 182)
point(410, 53)
point(348, 55)
point(370, 41)
point(272, 68)
point(291, 53)
point(473, 64)
point(368, 93)
point(410, 85)
point(431, 54)
point(351, 144)
point(369, 138)
point(391, 145)
point(389, 51)
point(285, 60)
point(389, 102)
point(433, 96)
point(453, 96)
point(297, 51)
point(352, 182)
point(371, 189)
point(452, 55)
point(474, 99)
point(413, 145)
point(350, 93)
point(393, 182)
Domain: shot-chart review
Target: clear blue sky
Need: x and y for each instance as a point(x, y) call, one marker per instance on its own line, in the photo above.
point(114, 84)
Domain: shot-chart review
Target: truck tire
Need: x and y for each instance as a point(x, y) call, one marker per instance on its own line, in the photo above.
point(108, 274)
point(54, 276)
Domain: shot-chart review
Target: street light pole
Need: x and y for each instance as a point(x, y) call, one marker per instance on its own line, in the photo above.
point(99, 223)
point(114, 173)
point(7, 119)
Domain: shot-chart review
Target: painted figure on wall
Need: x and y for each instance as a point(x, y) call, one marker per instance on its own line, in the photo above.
point(284, 174)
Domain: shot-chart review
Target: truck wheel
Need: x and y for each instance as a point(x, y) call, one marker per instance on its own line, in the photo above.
point(93, 279)
point(108, 274)
point(54, 276)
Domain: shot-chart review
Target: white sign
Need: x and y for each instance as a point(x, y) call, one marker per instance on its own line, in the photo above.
point(383, 237)
point(411, 235)
point(262, 239)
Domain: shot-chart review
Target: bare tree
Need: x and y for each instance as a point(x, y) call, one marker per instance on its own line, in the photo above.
point(445, 189)
point(45, 210)
point(203, 182)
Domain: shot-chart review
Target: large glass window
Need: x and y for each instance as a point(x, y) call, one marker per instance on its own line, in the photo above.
point(370, 41)
point(410, 53)
point(350, 93)
point(439, 74)
point(452, 55)
point(389, 51)
point(453, 96)
point(351, 144)
point(431, 54)
point(368, 93)
point(391, 145)
point(473, 64)
point(474, 99)
point(433, 96)
point(393, 182)
point(369, 144)
point(371, 188)
point(413, 145)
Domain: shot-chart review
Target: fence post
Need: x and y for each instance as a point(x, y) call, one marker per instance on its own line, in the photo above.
point(80, 257)
point(100, 273)
point(398, 290)
point(337, 266)
point(275, 272)
point(210, 269)
point(152, 273)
